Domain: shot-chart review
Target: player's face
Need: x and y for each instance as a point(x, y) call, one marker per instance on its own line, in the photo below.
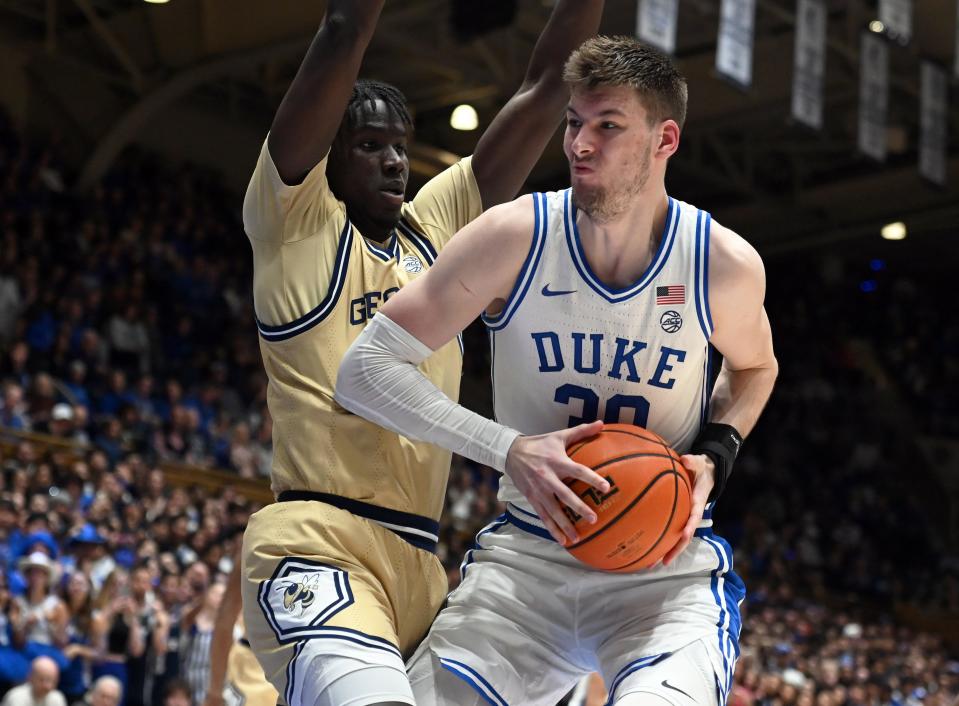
point(609, 144)
point(369, 168)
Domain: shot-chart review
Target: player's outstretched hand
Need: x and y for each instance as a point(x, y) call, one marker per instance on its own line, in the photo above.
point(538, 466)
point(703, 472)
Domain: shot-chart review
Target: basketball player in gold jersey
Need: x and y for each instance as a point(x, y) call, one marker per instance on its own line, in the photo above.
point(340, 579)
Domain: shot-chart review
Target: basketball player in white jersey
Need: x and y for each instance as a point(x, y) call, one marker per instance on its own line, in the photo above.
point(602, 302)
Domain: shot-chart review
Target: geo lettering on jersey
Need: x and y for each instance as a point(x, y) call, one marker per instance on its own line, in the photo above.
point(302, 595)
point(593, 354)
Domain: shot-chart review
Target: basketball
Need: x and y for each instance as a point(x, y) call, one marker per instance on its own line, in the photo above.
point(643, 514)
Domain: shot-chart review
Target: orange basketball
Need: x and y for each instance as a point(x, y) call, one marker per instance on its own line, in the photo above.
point(643, 514)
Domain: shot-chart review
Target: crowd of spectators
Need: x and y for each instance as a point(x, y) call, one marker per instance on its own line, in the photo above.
point(126, 326)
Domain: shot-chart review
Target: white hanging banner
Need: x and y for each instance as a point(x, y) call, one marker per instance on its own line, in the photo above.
point(955, 66)
point(734, 51)
point(873, 95)
point(656, 23)
point(809, 62)
point(896, 15)
point(933, 113)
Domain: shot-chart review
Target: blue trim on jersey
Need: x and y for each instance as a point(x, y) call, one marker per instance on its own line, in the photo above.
point(707, 236)
point(419, 240)
point(390, 252)
point(704, 402)
point(633, 666)
point(475, 680)
point(310, 319)
point(702, 306)
point(496, 524)
point(526, 274)
point(578, 254)
point(728, 595)
point(528, 527)
point(517, 508)
point(492, 368)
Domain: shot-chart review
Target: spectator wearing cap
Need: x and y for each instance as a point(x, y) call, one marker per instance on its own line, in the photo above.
point(40, 688)
point(61, 420)
point(43, 617)
point(87, 551)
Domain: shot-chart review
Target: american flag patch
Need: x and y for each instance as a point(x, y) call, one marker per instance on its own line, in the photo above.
point(673, 294)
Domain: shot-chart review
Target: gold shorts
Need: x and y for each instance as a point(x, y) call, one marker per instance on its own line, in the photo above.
point(345, 584)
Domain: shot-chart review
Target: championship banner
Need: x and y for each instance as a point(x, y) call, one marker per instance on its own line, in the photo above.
point(873, 95)
point(896, 15)
point(734, 51)
point(933, 107)
point(656, 23)
point(809, 63)
point(955, 67)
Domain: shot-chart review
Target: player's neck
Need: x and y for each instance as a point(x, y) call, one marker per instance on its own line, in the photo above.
point(371, 230)
point(620, 248)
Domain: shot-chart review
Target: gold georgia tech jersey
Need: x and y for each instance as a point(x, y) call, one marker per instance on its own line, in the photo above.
point(316, 283)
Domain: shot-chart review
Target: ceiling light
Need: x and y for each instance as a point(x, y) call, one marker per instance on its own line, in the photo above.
point(464, 118)
point(894, 231)
point(877, 26)
point(157, 2)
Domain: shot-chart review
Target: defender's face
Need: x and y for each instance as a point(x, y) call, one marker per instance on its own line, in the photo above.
point(369, 166)
point(609, 145)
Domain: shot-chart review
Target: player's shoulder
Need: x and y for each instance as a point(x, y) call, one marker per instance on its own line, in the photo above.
point(731, 257)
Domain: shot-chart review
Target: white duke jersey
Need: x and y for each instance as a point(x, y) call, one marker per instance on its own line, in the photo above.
point(567, 348)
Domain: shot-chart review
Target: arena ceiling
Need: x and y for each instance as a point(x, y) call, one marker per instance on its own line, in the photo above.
point(200, 79)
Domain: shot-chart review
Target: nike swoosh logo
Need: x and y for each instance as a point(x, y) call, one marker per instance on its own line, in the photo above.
point(547, 292)
point(670, 686)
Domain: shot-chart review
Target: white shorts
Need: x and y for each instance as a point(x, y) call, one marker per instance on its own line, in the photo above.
point(529, 620)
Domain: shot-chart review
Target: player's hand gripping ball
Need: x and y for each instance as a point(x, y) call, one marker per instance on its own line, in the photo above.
point(648, 503)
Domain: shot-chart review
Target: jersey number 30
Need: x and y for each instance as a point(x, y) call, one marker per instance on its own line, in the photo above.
point(614, 406)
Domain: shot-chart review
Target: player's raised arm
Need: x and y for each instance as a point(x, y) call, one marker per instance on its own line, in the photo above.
point(379, 379)
point(312, 109)
point(510, 146)
point(743, 336)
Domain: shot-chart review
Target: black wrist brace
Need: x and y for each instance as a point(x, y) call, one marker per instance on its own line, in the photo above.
point(720, 442)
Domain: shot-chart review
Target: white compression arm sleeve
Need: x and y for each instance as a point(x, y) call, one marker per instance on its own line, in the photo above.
point(379, 380)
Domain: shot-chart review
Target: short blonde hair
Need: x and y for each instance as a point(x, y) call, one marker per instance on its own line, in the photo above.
point(622, 61)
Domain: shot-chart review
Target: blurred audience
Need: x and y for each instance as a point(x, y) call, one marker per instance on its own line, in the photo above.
point(127, 334)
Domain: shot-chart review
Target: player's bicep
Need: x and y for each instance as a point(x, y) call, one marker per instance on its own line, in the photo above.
point(477, 267)
point(741, 327)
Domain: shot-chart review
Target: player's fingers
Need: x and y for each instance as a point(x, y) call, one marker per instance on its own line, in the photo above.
point(582, 431)
point(555, 521)
point(565, 495)
point(676, 550)
point(587, 475)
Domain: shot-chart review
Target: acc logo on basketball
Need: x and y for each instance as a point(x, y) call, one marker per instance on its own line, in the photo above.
point(302, 595)
point(412, 264)
point(671, 321)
